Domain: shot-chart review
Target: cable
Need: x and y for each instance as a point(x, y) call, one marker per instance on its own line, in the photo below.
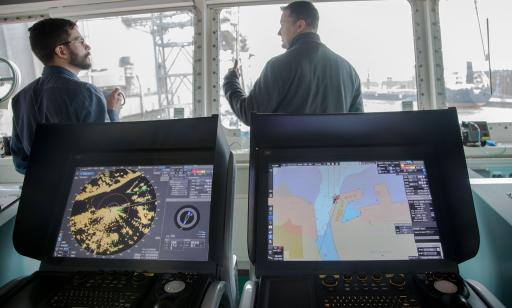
point(10, 204)
point(487, 56)
point(478, 131)
point(480, 28)
point(123, 97)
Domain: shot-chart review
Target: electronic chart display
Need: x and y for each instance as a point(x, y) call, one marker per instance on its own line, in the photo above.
point(138, 212)
point(351, 211)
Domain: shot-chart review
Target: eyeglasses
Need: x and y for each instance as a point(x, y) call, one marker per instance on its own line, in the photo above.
point(80, 39)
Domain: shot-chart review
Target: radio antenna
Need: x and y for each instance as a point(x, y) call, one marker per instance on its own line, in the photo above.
point(237, 48)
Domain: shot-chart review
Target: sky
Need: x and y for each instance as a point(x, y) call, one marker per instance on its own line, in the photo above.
point(461, 36)
point(110, 39)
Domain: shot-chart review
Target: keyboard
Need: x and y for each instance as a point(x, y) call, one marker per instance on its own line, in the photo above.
point(331, 301)
point(363, 290)
point(103, 289)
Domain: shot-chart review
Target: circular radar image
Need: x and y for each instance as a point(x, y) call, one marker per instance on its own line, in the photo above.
point(113, 211)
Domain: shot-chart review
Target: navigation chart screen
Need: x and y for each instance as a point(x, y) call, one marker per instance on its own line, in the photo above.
point(351, 211)
point(138, 212)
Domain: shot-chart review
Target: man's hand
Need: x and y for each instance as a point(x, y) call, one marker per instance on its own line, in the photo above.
point(115, 100)
point(235, 68)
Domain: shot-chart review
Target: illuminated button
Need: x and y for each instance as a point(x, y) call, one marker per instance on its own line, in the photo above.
point(173, 287)
point(347, 277)
point(445, 286)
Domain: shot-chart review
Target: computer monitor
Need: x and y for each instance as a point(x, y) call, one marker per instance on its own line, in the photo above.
point(137, 212)
point(334, 210)
point(349, 209)
point(348, 193)
point(71, 158)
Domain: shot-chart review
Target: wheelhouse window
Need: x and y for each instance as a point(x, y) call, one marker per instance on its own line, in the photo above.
point(380, 48)
point(476, 58)
point(148, 56)
point(15, 47)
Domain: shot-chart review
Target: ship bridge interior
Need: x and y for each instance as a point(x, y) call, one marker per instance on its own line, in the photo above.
point(169, 58)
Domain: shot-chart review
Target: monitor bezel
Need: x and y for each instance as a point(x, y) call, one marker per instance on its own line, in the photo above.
point(135, 158)
point(268, 156)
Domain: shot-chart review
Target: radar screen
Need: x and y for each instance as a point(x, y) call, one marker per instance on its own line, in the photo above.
point(138, 212)
point(113, 211)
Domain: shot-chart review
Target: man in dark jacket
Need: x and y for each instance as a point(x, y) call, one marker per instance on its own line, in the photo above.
point(58, 96)
point(308, 78)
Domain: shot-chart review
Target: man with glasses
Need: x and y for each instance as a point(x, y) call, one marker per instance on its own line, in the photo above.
point(308, 78)
point(58, 96)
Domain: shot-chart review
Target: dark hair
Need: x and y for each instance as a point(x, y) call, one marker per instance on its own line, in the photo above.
point(304, 10)
point(46, 34)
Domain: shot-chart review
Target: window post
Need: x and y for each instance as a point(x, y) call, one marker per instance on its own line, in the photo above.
point(429, 57)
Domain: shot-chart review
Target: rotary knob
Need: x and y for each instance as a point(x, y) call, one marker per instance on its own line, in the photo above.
point(330, 281)
point(362, 277)
point(397, 281)
point(377, 277)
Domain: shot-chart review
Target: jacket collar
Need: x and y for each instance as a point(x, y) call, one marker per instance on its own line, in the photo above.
point(306, 36)
point(59, 70)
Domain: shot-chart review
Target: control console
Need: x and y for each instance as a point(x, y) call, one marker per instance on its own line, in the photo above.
point(128, 289)
point(443, 289)
point(103, 289)
point(365, 290)
point(392, 290)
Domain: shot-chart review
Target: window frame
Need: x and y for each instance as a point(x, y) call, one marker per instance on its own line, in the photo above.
point(425, 22)
point(427, 49)
point(80, 10)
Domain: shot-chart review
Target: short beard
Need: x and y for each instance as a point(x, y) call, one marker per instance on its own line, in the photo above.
point(80, 62)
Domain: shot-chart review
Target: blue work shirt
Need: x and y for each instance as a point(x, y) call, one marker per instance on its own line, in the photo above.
point(58, 96)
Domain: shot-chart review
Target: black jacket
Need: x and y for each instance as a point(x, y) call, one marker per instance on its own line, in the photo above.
point(308, 78)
